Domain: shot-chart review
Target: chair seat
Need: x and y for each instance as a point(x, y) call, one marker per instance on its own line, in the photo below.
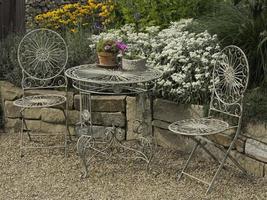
point(40, 101)
point(198, 127)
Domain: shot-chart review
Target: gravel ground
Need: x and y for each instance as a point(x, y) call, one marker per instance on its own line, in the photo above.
point(48, 175)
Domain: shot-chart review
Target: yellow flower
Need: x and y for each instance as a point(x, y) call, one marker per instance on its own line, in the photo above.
point(69, 15)
point(74, 30)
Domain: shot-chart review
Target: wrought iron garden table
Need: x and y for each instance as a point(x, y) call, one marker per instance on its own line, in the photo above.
point(90, 79)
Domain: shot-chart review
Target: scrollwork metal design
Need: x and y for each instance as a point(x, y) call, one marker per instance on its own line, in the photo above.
point(230, 75)
point(90, 73)
point(42, 54)
point(229, 109)
point(230, 79)
point(31, 83)
point(200, 126)
point(40, 101)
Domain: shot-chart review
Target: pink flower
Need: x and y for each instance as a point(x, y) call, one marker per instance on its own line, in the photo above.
point(121, 46)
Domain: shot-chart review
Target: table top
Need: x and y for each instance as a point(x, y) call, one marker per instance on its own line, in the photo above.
point(91, 73)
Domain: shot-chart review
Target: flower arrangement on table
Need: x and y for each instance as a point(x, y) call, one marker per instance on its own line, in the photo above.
point(108, 50)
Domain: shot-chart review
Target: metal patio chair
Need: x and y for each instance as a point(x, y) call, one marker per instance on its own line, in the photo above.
point(42, 56)
point(230, 79)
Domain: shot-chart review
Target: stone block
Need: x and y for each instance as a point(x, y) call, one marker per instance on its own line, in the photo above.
point(104, 103)
point(256, 130)
point(33, 113)
point(11, 111)
point(135, 114)
point(167, 139)
point(34, 125)
point(70, 95)
point(160, 124)
point(109, 119)
point(225, 141)
point(56, 116)
point(221, 139)
point(256, 149)
point(73, 117)
point(10, 92)
point(251, 165)
point(170, 112)
point(52, 115)
point(55, 128)
point(12, 125)
point(224, 138)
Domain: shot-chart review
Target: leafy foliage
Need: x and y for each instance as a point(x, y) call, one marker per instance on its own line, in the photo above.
point(78, 48)
point(244, 24)
point(160, 12)
point(255, 105)
point(9, 67)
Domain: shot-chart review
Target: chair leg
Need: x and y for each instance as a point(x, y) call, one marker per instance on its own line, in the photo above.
point(187, 162)
point(21, 142)
point(221, 165)
point(202, 145)
point(22, 131)
point(24, 124)
point(233, 160)
point(65, 135)
point(67, 124)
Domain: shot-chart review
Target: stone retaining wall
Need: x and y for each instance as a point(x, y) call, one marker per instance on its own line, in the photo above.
point(250, 148)
point(106, 110)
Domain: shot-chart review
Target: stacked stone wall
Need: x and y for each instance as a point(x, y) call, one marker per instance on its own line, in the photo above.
point(123, 111)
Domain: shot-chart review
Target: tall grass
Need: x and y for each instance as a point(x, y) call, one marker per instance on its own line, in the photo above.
point(243, 23)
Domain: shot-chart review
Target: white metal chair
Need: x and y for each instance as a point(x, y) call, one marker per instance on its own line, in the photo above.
point(230, 79)
point(42, 56)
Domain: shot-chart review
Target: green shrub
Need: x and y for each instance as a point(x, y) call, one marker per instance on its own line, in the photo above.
point(255, 105)
point(9, 67)
point(160, 12)
point(78, 47)
point(244, 24)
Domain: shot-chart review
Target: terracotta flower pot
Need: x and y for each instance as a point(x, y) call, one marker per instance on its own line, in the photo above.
point(107, 60)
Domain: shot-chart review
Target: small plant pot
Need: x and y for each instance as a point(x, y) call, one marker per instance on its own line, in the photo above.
point(107, 60)
point(131, 65)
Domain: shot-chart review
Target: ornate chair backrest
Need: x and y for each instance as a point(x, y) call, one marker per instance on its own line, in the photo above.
point(42, 56)
point(230, 80)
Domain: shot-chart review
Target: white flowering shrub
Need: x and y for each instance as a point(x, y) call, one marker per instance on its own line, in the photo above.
point(186, 58)
point(127, 34)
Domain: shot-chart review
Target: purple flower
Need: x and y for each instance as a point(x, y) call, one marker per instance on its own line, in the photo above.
point(121, 46)
point(98, 26)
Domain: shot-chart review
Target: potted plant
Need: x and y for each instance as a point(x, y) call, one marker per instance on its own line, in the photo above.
point(107, 51)
point(133, 60)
